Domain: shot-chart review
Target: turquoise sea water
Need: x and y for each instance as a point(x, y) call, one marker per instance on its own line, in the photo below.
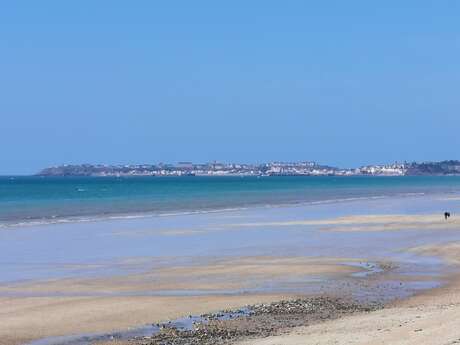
point(36, 199)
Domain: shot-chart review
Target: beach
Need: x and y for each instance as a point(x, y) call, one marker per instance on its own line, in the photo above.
point(373, 264)
point(229, 173)
point(430, 317)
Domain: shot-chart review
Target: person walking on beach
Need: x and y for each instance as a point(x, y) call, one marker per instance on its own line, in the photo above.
point(446, 215)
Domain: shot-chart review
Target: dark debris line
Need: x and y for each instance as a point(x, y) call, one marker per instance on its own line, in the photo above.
point(260, 320)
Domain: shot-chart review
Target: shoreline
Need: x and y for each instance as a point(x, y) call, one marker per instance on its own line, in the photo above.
point(107, 217)
point(115, 293)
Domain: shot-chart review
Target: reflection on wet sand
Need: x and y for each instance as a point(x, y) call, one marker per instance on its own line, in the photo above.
point(112, 275)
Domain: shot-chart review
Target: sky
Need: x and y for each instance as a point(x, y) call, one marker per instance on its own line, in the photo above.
point(343, 83)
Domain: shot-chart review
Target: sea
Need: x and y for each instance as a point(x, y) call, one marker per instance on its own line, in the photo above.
point(36, 200)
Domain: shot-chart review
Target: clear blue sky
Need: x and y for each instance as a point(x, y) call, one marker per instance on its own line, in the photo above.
point(339, 82)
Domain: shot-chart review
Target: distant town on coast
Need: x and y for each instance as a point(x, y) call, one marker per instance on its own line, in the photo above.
point(450, 167)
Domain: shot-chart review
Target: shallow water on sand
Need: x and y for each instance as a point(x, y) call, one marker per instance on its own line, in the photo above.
point(109, 247)
point(126, 247)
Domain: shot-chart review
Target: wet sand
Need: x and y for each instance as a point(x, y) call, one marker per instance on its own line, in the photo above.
point(25, 319)
point(74, 306)
point(390, 222)
point(210, 276)
point(113, 283)
point(430, 318)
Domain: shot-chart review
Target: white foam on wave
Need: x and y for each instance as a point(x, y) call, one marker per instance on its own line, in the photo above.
point(56, 219)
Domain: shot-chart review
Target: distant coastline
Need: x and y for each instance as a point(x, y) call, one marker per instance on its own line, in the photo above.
point(448, 167)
